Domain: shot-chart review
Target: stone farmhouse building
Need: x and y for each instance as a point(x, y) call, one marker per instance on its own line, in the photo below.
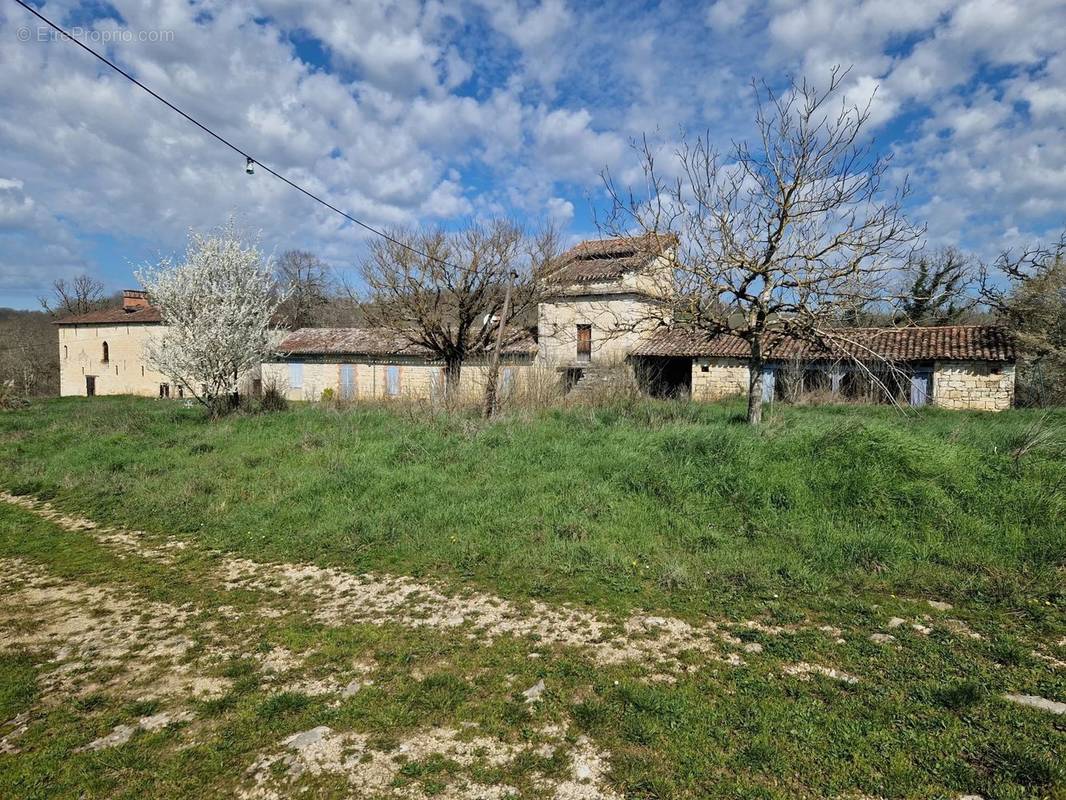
point(604, 311)
point(102, 352)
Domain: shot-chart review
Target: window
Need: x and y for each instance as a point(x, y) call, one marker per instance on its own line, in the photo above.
point(105, 359)
point(392, 381)
point(181, 390)
point(164, 390)
point(296, 376)
point(705, 367)
point(66, 354)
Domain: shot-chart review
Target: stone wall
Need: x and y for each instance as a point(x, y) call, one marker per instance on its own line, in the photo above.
point(714, 378)
point(416, 379)
point(619, 323)
point(81, 349)
point(978, 385)
point(81, 353)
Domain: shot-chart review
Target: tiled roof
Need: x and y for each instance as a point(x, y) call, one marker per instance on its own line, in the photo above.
point(372, 342)
point(947, 343)
point(608, 259)
point(114, 316)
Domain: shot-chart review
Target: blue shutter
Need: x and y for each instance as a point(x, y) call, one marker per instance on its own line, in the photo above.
point(768, 378)
point(392, 385)
point(296, 376)
point(347, 381)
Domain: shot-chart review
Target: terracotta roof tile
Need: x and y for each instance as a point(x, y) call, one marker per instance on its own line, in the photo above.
point(114, 316)
point(609, 259)
point(947, 343)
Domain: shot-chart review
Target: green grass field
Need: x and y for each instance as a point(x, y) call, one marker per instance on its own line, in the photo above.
point(669, 506)
point(820, 527)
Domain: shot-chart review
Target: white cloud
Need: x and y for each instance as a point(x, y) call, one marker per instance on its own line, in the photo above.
point(444, 108)
point(568, 145)
point(560, 211)
point(724, 15)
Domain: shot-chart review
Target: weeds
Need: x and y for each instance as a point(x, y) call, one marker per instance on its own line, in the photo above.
point(1040, 434)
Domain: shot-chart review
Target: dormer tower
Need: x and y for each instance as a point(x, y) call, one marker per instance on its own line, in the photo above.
point(604, 298)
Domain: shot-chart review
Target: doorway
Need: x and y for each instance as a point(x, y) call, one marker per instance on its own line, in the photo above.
point(919, 388)
point(90, 386)
point(666, 378)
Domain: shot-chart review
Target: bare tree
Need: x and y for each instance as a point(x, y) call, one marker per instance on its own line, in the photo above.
point(445, 291)
point(29, 359)
point(306, 280)
point(1027, 292)
point(782, 238)
point(80, 296)
point(936, 289)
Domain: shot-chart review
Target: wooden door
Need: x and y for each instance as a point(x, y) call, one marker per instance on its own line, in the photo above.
point(584, 343)
point(920, 388)
point(90, 385)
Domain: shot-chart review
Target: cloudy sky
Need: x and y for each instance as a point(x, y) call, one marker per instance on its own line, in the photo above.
point(434, 112)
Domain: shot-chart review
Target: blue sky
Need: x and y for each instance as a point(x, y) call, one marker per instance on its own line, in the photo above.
point(436, 112)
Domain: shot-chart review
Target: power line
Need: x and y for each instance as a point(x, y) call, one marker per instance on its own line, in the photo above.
point(250, 160)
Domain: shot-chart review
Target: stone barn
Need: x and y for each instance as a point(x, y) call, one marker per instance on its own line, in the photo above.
point(102, 352)
point(957, 366)
point(363, 364)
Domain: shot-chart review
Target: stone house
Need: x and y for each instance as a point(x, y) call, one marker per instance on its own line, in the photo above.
point(102, 352)
point(602, 300)
point(605, 310)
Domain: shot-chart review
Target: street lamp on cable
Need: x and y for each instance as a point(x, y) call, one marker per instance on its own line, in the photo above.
point(249, 166)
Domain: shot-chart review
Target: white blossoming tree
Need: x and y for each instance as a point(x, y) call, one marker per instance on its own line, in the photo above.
point(217, 307)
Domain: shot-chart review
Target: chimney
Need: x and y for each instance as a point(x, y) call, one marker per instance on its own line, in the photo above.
point(134, 299)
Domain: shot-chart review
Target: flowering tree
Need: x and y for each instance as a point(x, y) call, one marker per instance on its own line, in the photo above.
point(217, 307)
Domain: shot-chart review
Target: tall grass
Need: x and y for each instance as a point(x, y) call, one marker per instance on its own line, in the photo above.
point(659, 504)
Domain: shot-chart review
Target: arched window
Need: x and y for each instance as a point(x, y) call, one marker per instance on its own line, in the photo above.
point(105, 359)
point(66, 354)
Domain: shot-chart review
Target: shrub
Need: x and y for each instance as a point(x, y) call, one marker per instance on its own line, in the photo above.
point(10, 398)
point(273, 400)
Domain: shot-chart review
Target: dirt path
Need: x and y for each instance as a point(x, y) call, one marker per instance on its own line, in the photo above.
point(341, 598)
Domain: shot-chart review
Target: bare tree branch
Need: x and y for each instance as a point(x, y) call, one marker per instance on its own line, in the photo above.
point(446, 291)
point(778, 239)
